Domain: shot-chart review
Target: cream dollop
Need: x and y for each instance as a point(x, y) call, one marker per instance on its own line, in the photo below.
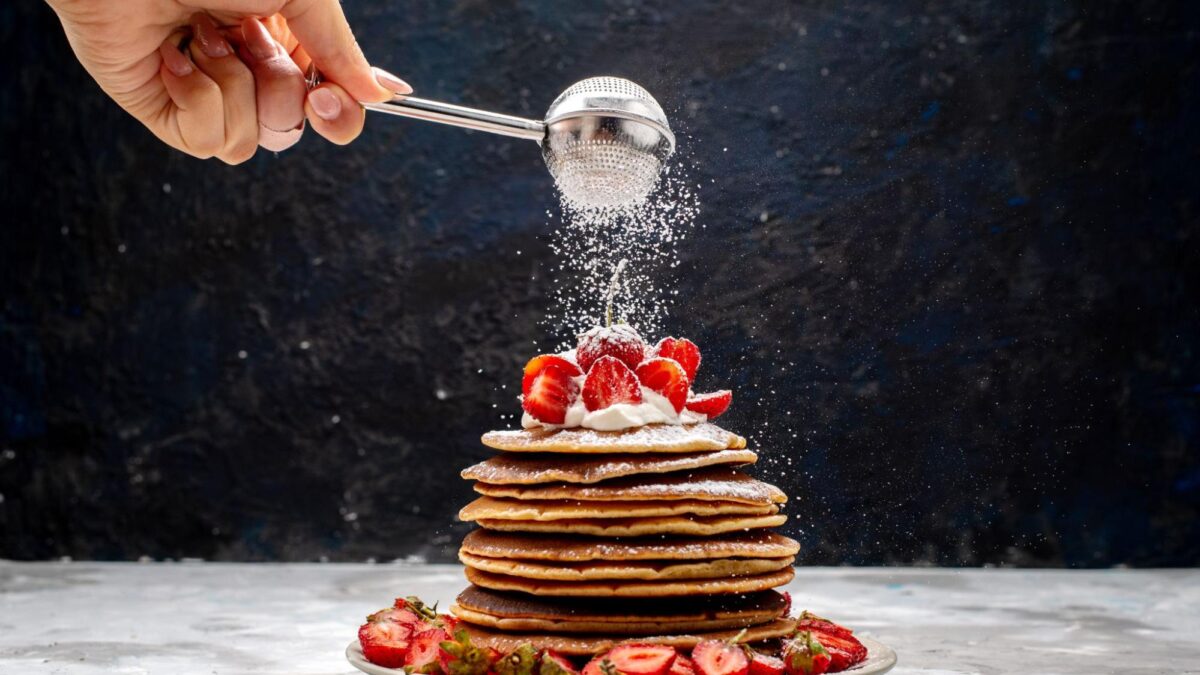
point(654, 409)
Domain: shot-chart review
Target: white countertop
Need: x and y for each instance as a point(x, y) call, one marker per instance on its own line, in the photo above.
point(218, 618)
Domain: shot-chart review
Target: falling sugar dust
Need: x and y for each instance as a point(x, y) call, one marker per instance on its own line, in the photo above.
point(588, 243)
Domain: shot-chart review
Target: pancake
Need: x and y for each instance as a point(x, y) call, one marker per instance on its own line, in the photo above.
point(718, 483)
point(511, 509)
point(584, 645)
point(650, 438)
point(528, 469)
point(656, 570)
point(560, 548)
point(638, 527)
point(631, 589)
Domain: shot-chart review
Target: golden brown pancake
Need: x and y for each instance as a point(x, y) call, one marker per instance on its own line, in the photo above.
point(631, 589)
point(582, 645)
point(638, 527)
point(551, 547)
point(514, 509)
point(532, 468)
point(649, 570)
point(717, 483)
point(650, 438)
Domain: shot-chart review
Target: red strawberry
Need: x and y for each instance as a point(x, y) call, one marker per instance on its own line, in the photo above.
point(610, 381)
point(810, 621)
point(620, 341)
point(684, 351)
point(713, 657)
point(666, 377)
point(539, 363)
point(642, 659)
point(599, 665)
point(424, 650)
point(804, 655)
point(682, 666)
point(553, 663)
point(549, 395)
point(762, 664)
point(787, 604)
point(844, 650)
point(384, 643)
point(449, 622)
point(401, 616)
point(712, 404)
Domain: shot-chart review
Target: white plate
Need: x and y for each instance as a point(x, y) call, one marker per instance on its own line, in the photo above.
point(880, 659)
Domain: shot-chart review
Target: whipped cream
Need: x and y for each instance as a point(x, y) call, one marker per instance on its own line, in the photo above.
point(654, 409)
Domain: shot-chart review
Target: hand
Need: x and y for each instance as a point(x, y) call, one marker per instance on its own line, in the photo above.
point(218, 78)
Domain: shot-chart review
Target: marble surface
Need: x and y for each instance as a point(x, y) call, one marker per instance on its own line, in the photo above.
point(218, 618)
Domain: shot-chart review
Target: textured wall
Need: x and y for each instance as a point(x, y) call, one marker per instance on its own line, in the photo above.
point(949, 264)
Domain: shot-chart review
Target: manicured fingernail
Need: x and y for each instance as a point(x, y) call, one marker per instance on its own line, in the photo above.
point(211, 41)
point(262, 46)
point(176, 62)
point(325, 103)
point(391, 82)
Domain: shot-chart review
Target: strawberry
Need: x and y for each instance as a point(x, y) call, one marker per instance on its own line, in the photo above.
point(553, 663)
point(711, 405)
point(787, 605)
point(682, 666)
point(384, 643)
point(763, 664)
point(804, 655)
point(600, 665)
point(684, 351)
point(621, 342)
point(666, 377)
point(460, 657)
point(714, 657)
point(539, 363)
point(424, 649)
point(521, 661)
point(810, 621)
point(642, 659)
point(844, 650)
point(401, 616)
point(610, 381)
point(549, 395)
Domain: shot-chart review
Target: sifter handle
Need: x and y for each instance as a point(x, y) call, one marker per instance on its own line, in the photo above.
point(461, 116)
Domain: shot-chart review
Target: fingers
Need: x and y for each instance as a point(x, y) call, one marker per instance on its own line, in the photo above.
point(334, 113)
point(215, 57)
point(280, 87)
point(320, 26)
point(188, 123)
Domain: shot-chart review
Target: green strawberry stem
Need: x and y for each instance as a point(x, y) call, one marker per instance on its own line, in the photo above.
point(612, 292)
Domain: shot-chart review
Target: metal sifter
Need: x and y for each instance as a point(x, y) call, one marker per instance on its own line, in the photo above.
point(604, 139)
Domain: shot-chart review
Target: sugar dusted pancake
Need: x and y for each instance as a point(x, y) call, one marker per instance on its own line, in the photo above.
point(533, 468)
point(651, 438)
point(646, 570)
point(631, 589)
point(717, 483)
point(567, 549)
point(515, 509)
point(638, 527)
point(584, 645)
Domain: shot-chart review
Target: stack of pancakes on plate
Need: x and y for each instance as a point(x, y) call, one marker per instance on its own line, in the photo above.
point(589, 538)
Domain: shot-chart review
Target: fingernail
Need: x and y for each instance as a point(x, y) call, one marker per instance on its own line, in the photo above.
point(325, 103)
point(175, 61)
point(278, 141)
point(262, 46)
point(391, 82)
point(211, 41)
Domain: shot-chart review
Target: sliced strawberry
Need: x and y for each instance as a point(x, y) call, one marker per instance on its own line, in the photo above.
point(620, 341)
point(539, 363)
point(553, 663)
point(684, 351)
point(787, 604)
point(713, 657)
point(424, 649)
point(384, 643)
point(401, 616)
point(600, 665)
point(763, 664)
point(810, 621)
point(609, 381)
point(844, 650)
point(711, 405)
point(682, 666)
point(642, 659)
point(804, 655)
point(549, 395)
point(666, 377)
point(449, 622)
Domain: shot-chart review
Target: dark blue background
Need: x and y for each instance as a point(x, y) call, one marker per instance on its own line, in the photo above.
point(949, 266)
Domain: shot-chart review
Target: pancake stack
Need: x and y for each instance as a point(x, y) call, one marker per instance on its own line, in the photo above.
point(652, 534)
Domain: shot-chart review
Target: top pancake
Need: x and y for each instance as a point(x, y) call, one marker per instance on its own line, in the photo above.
point(565, 548)
point(533, 468)
point(717, 483)
point(650, 438)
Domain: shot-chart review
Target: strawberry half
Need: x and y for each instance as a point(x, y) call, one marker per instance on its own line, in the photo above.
point(682, 666)
point(804, 655)
point(763, 664)
point(609, 381)
point(844, 650)
point(642, 659)
point(539, 363)
point(424, 650)
point(550, 393)
point(711, 405)
point(600, 665)
point(684, 351)
point(713, 657)
point(553, 663)
point(384, 643)
point(621, 342)
point(666, 377)
point(810, 621)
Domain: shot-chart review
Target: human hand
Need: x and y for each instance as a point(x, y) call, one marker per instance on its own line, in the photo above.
point(219, 78)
